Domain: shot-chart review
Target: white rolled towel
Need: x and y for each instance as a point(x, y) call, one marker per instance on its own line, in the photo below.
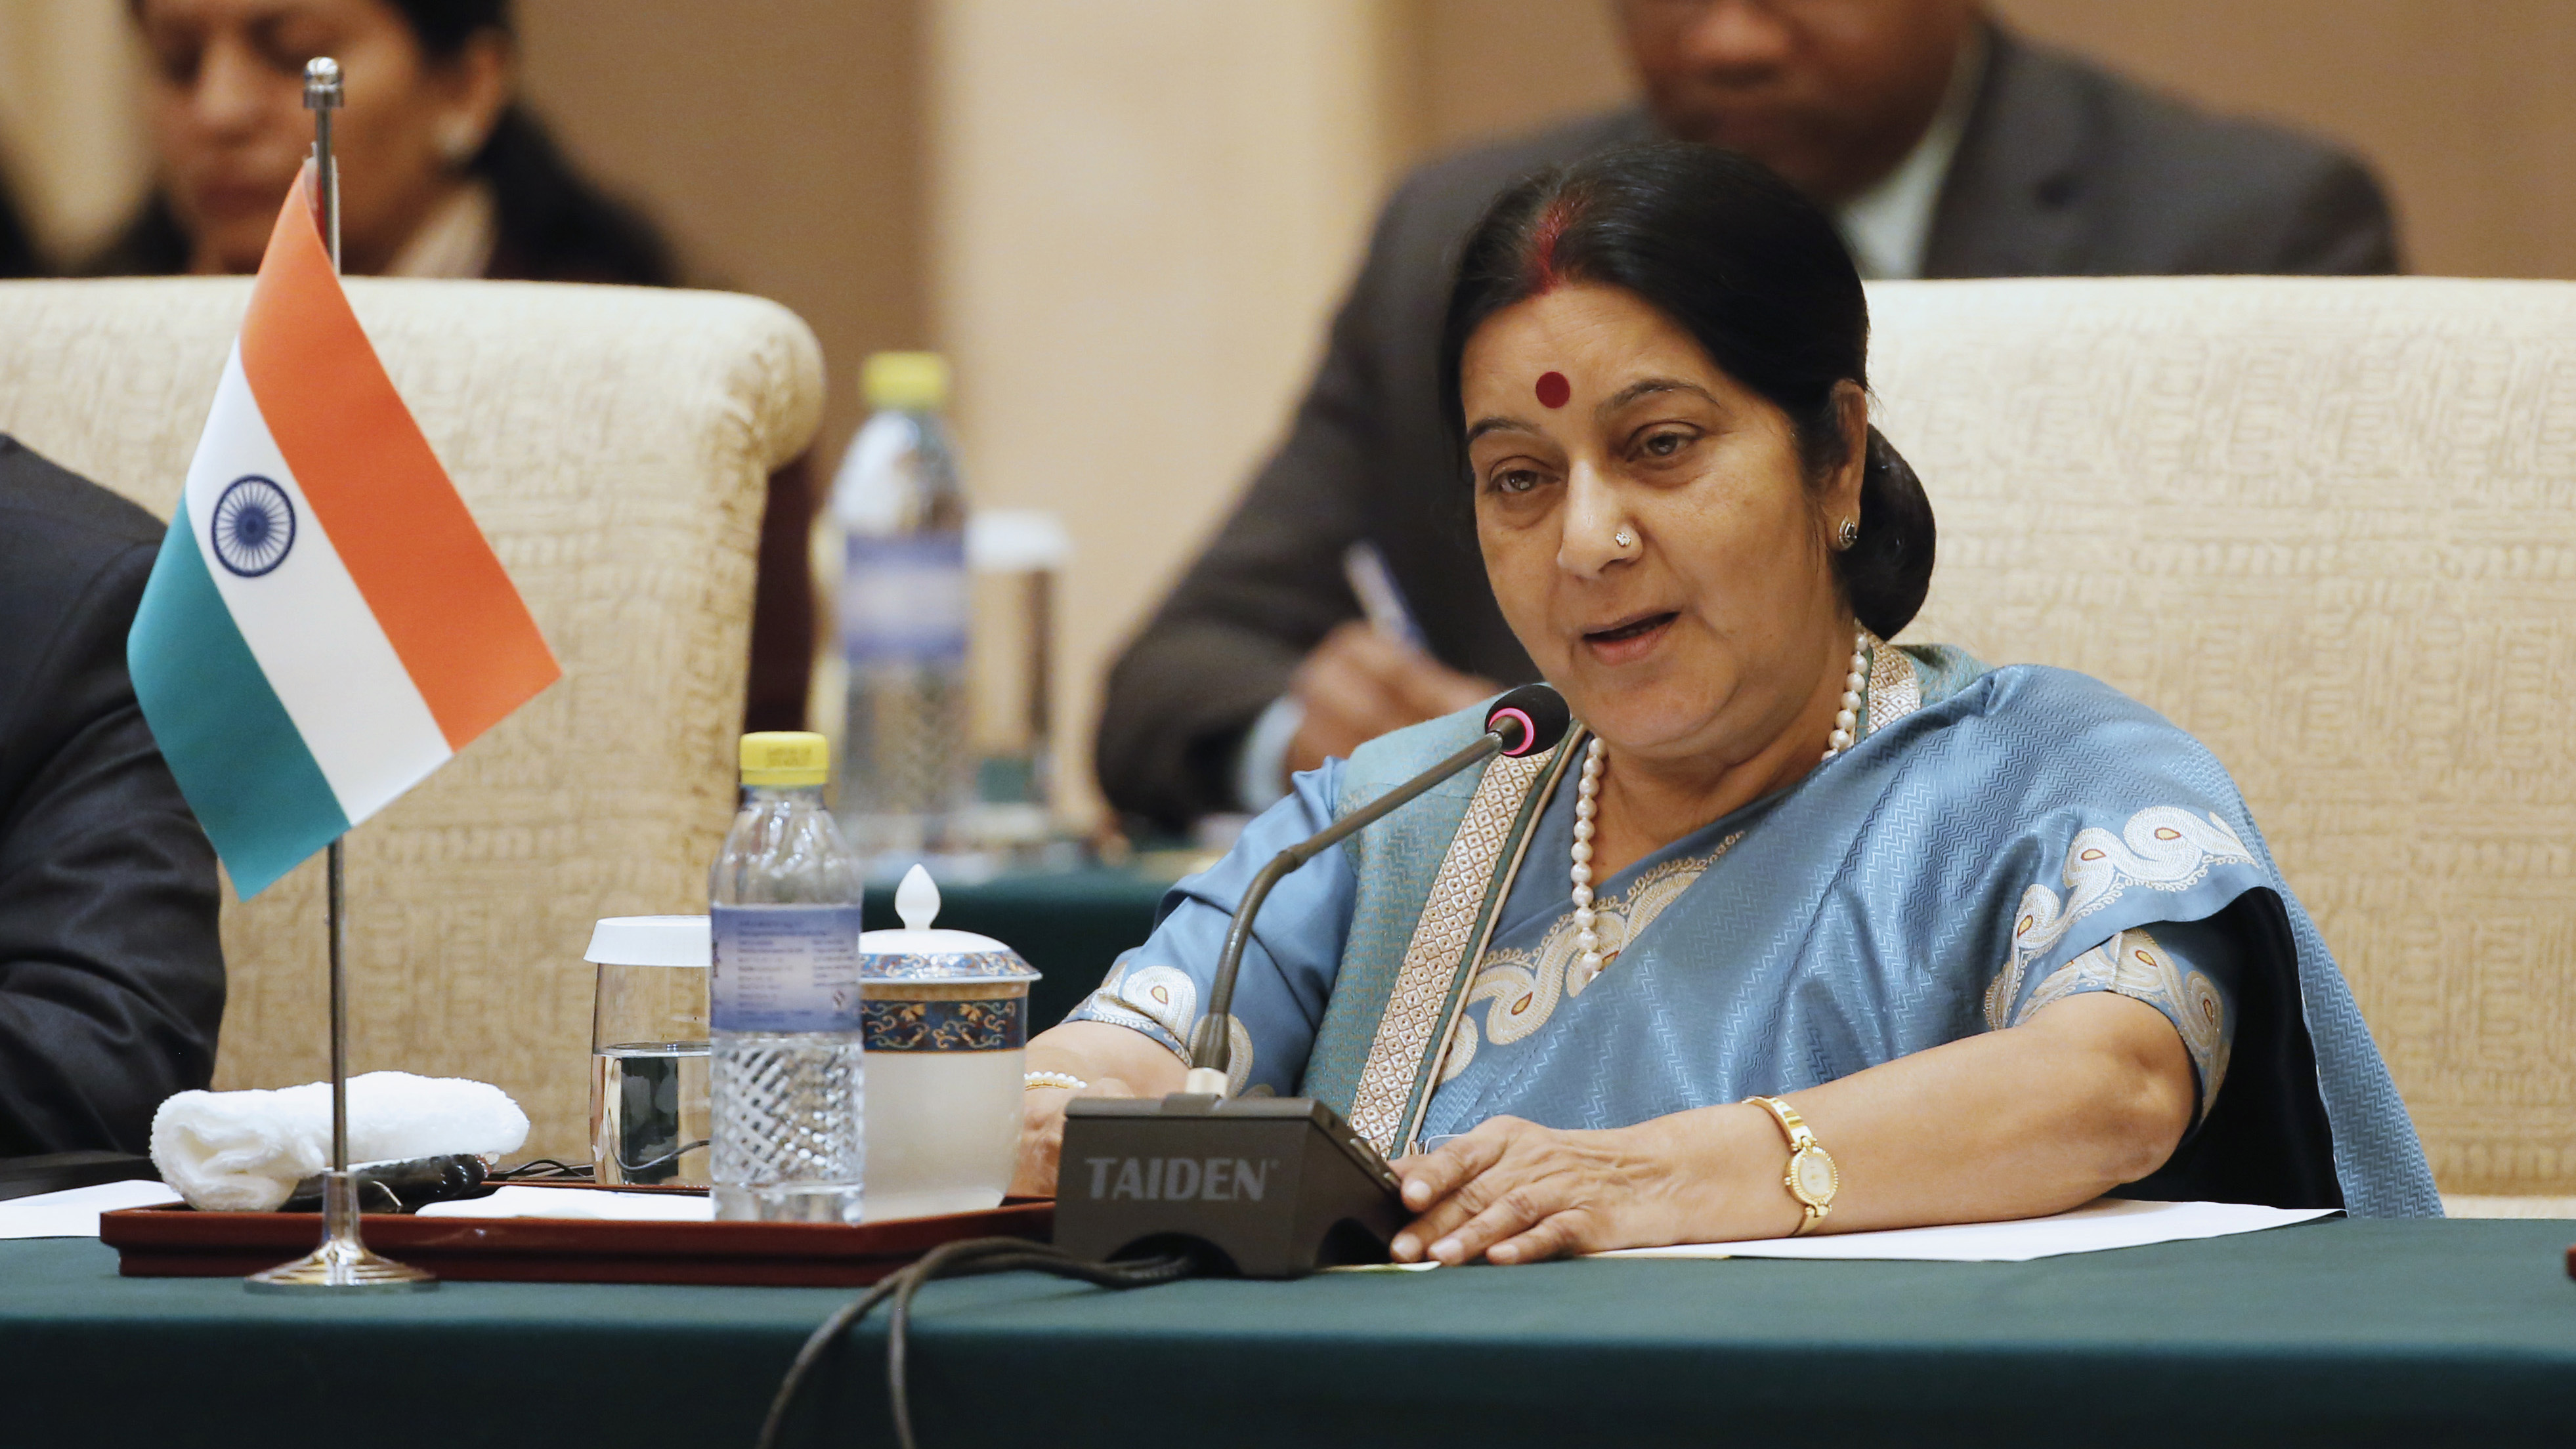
point(245, 1151)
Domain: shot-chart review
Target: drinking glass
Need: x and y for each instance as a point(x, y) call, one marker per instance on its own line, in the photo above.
point(648, 1051)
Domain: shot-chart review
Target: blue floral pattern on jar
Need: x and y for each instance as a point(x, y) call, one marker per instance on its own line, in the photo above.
point(997, 1025)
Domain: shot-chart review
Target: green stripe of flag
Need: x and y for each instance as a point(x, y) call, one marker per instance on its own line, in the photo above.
point(238, 757)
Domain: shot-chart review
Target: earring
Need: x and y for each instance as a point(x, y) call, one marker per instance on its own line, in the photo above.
point(458, 140)
point(1849, 533)
point(1624, 539)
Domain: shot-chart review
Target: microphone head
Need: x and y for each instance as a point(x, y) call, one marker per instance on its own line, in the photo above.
point(1530, 719)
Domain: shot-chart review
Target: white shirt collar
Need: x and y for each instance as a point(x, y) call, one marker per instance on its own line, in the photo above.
point(456, 240)
point(1889, 226)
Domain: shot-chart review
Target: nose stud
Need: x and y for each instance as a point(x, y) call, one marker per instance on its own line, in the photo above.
point(1624, 539)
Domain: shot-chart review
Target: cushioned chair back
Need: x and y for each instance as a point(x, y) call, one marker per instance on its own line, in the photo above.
point(614, 445)
point(2329, 527)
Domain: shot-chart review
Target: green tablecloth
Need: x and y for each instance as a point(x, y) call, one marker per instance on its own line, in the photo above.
point(1070, 924)
point(2341, 1333)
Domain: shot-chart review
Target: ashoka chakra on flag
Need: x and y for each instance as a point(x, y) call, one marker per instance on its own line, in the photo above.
point(254, 526)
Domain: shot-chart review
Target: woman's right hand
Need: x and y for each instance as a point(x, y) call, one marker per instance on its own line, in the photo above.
point(1042, 1132)
point(1114, 1061)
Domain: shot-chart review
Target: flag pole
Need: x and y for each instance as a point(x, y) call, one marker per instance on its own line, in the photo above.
point(343, 1261)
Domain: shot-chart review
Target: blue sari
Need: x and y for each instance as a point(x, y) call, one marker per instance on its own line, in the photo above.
point(1994, 841)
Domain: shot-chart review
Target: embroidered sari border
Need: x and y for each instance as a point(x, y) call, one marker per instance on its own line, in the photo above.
point(1426, 1079)
point(1894, 690)
point(1465, 896)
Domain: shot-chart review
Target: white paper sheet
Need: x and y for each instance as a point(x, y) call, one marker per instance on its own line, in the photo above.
point(2103, 1223)
point(73, 1212)
point(580, 1202)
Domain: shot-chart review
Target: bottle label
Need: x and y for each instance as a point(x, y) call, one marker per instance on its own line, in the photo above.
point(903, 600)
point(784, 968)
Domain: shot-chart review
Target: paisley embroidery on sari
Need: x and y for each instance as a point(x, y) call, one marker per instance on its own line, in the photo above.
point(2131, 964)
point(1163, 1003)
point(1523, 985)
point(2163, 847)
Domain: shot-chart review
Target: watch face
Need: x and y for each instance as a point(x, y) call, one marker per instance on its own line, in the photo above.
point(1813, 1178)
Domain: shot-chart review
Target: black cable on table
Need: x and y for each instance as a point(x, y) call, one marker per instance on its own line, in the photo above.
point(542, 1169)
point(970, 1258)
point(648, 1164)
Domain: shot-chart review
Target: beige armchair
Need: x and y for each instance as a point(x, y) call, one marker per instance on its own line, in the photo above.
point(2330, 528)
point(613, 443)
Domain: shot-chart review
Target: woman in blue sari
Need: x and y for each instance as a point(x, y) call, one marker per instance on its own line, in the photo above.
point(1798, 930)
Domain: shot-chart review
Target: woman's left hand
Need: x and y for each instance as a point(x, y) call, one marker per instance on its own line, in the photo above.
point(1517, 1192)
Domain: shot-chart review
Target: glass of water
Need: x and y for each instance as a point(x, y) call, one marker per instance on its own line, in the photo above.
point(648, 1051)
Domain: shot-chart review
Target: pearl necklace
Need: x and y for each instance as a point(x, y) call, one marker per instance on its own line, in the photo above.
point(1847, 718)
point(1587, 804)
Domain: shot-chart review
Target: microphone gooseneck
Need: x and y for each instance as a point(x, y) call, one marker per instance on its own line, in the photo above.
point(1521, 722)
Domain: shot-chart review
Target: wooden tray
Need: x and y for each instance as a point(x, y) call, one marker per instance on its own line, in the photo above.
point(179, 1242)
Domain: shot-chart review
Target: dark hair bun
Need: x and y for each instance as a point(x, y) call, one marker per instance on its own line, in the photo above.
point(1887, 573)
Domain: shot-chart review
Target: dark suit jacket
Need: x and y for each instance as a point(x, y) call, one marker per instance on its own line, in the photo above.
point(111, 975)
point(2064, 169)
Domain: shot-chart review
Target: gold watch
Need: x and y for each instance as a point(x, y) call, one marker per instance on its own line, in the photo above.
point(1812, 1179)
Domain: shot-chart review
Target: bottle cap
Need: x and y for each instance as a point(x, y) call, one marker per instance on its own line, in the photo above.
point(785, 757)
point(906, 381)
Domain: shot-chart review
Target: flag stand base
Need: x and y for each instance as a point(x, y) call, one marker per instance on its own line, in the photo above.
point(343, 1264)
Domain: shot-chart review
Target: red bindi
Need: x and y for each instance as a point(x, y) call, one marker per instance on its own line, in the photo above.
point(1553, 389)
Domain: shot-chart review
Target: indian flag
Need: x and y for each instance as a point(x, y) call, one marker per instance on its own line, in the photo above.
point(325, 624)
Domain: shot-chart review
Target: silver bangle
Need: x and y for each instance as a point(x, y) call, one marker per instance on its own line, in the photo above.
point(1032, 1081)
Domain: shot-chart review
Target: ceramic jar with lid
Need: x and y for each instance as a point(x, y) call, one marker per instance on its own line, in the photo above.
point(946, 1022)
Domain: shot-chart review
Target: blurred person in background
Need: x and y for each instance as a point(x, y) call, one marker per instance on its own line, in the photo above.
point(1942, 144)
point(442, 172)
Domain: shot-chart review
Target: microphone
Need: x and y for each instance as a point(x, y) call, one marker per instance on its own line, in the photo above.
point(1522, 722)
point(1275, 1186)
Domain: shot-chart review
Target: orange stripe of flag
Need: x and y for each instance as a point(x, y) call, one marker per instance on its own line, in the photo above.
point(414, 551)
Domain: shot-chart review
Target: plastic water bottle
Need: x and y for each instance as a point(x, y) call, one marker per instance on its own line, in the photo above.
point(786, 1095)
point(907, 759)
